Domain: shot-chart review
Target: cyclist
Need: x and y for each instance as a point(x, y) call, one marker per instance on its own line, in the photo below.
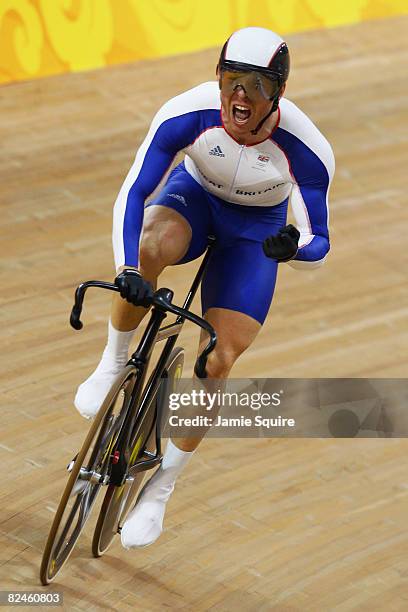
point(247, 151)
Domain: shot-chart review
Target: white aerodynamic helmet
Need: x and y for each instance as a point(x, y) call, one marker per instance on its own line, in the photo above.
point(256, 49)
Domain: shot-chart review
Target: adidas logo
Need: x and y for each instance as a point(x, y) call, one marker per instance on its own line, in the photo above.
point(217, 151)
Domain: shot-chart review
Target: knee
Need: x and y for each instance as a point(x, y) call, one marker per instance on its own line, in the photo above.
point(162, 244)
point(225, 354)
point(150, 253)
point(219, 363)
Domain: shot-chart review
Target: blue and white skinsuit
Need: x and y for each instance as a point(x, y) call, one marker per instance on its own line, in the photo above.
point(238, 193)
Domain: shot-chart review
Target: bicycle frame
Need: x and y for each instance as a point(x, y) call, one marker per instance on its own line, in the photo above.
point(140, 359)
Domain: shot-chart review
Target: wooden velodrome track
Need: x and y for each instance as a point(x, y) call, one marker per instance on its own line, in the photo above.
point(254, 524)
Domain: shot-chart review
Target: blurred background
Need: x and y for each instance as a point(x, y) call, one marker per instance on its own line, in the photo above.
point(44, 37)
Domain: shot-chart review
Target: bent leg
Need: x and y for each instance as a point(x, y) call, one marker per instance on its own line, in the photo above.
point(179, 212)
point(235, 331)
point(236, 294)
point(166, 237)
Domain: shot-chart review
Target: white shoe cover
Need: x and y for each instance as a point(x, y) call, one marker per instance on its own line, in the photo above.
point(90, 395)
point(145, 522)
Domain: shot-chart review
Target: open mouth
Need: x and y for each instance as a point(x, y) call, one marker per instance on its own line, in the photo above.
point(241, 114)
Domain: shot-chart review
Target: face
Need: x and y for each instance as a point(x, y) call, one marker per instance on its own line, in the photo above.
point(242, 108)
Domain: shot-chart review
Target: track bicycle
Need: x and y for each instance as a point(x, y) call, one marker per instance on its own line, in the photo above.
point(124, 439)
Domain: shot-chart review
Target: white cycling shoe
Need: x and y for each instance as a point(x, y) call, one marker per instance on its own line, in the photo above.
point(91, 393)
point(144, 523)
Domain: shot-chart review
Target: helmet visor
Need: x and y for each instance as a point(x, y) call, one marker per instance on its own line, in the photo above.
point(256, 85)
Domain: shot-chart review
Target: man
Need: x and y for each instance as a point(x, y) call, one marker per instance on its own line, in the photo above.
point(247, 150)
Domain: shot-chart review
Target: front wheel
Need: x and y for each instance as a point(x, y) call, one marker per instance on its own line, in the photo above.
point(119, 500)
point(89, 471)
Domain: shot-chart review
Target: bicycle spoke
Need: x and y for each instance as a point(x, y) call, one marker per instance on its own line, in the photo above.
point(68, 524)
